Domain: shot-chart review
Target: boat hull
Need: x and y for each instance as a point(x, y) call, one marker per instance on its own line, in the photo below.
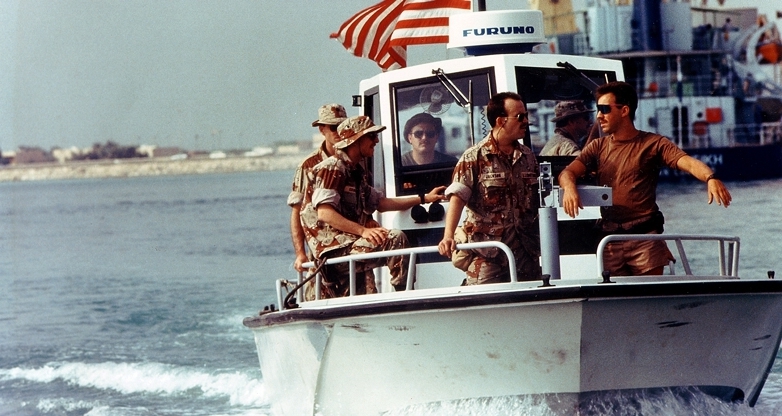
point(555, 342)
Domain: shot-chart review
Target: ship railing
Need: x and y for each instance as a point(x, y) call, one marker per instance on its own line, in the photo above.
point(412, 252)
point(770, 132)
point(755, 133)
point(735, 136)
point(727, 250)
point(696, 86)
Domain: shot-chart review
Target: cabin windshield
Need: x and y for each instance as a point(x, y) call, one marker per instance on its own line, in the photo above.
point(432, 129)
point(543, 88)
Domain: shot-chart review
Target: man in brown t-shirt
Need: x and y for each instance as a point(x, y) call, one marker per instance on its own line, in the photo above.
point(629, 161)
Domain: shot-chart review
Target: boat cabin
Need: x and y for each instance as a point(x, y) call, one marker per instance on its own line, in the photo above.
point(499, 48)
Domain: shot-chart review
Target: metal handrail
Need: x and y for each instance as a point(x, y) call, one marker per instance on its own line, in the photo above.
point(412, 252)
point(730, 268)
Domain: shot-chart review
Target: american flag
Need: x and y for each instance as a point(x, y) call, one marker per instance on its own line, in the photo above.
point(383, 31)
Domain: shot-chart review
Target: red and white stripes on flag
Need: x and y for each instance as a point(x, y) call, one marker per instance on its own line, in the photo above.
point(426, 21)
point(383, 31)
point(368, 32)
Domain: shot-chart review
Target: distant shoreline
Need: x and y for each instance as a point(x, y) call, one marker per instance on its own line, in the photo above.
point(128, 168)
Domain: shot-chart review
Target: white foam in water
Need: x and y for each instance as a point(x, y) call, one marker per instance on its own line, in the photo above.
point(486, 406)
point(154, 378)
point(661, 403)
point(54, 405)
point(67, 406)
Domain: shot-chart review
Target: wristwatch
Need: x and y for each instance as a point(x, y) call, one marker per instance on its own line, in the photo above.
point(423, 198)
point(712, 176)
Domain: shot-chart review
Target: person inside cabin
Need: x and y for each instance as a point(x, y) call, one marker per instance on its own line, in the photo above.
point(496, 181)
point(337, 214)
point(629, 161)
point(329, 117)
point(572, 120)
point(423, 132)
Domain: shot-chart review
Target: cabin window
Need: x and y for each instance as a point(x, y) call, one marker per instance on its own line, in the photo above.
point(543, 88)
point(432, 127)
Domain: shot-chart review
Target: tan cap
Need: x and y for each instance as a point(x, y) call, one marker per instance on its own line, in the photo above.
point(565, 109)
point(353, 128)
point(330, 114)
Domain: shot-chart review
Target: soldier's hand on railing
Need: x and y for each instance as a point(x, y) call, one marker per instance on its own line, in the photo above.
point(297, 264)
point(571, 202)
point(447, 246)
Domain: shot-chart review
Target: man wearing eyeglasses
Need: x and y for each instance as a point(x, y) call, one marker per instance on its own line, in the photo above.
point(495, 179)
point(629, 161)
point(422, 131)
point(337, 213)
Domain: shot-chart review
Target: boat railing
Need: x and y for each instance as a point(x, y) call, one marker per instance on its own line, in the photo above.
point(728, 249)
point(412, 252)
point(727, 257)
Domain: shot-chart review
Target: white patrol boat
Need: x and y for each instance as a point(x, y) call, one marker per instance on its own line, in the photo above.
point(576, 334)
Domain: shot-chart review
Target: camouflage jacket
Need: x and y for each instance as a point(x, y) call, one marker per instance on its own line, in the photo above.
point(560, 145)
point(343, 185)
point(499, 191)
point(302, 179)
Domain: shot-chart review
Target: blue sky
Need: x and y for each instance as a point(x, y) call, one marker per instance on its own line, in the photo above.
point(199, 74)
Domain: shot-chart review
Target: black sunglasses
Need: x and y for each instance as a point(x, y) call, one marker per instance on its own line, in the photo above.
point(521, 116)
point(606, 108)
point(420, 133)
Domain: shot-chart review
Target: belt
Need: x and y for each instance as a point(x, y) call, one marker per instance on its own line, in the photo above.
point(643, 225)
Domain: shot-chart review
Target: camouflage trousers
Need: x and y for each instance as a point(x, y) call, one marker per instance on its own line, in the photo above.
point(365, 283)
point(336, 282)
point(491, 265)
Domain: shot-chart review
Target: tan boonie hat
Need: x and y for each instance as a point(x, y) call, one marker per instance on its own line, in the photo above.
point(330, 114)
point(353, 128)
point(565, 109)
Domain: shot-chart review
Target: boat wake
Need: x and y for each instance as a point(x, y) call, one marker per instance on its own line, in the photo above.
point(243, 390)
point(648, 403)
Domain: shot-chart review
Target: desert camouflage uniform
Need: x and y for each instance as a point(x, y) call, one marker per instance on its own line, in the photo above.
point(343, 185)
point(560, 145)
point(302, 179)
point(302, 185)
point(501, 202)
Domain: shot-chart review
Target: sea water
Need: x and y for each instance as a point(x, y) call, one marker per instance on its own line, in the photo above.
point(126, 296)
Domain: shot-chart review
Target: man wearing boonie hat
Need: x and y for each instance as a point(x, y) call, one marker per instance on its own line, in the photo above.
point(572, 120)
point(343, 202)
point(329, 117)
